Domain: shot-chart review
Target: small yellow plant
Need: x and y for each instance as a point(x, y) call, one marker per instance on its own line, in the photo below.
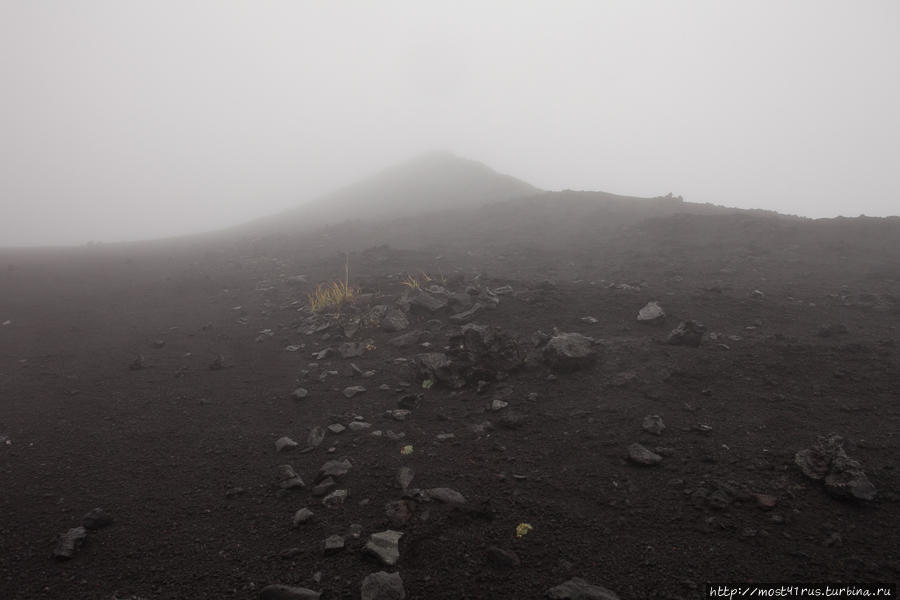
point(334, 293)
point(406, 450)
point(523, 529)
point(414, 282)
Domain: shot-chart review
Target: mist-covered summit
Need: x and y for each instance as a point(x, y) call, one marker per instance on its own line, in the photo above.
point(432, 182)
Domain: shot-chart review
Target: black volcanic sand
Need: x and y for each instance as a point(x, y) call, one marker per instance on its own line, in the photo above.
point(158, 448)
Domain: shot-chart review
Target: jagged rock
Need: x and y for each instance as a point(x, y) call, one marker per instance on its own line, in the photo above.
point(501, 557)
point(300, 393)
point(688, 333)
point(302, 516)
point(323, 487)
point(569, 352)
point(96, 519)
point(398, 513)
point(69, 542)
point(409, 401)
point(642, 456)
point(397, 414)
point(653, 424)
point(283, 444)
point(336, 428)
point(426, 302)
point(334, 543)
point(288, 478)
point(359, 425)
point(316, 437)
point(437, 366)
point(393, 321)
point(286, 592)
point(467, 315)
point(446, 495)
point(405, 476)
point(579, 589)
point(385, 546)
point(382, 586)
point(827, 460)
point(351, 349)
point(407, 339)
point(335, 498)
point(651, 314)
point(353, 390)
point(334, 469)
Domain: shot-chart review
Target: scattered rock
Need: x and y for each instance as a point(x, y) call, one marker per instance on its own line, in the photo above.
point(651, 314)
point(359, 426)
point(284, 444)
point(300, 393)
point(503, 558)
point(642, 456)
point(334, 544)
point(404, 477)
point(351, 350)
point(385, 546)
point(398, 414)
point(323, 487)
point(425, 302)
point(407, 339)
point(335, 498)
point(382, 586)
point(288, 478)
point(467, 315)
point(446, 495)
point(653, 424)
point(69, 542)
point(316, 437)
point(393, 321)
point(398, 513)
point(336, 428)
point(96, 519)
point(302, 516)
point(579, 589)
point(353, 390)
point(569, 352)
point(334, 469)
point(843, 476)
point(688, 333)
point(286, 592)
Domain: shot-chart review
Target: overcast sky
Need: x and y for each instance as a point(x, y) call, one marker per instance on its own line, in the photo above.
point(126, 120)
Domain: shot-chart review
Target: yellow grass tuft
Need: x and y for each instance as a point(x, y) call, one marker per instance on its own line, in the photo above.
point(332, 294)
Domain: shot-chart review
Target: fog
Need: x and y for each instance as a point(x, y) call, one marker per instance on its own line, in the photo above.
point(127, 120)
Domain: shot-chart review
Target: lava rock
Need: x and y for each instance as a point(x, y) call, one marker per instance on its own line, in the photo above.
point(446, 495)
point(827, 460)
point(284, 444)
point(300, 393)
point(385, 546)
point(316, 437)
point(382, 586)
point(334, 469)
point(642, 456)
point(69, 542)
point(688, 333)
point(96, 519)
point(651, 314)
point(394, 321)
point(286, 592)
point(569, 352)
point(579, 589)
point(353, 390)
point(302, 516)
point(653, 424)
point(503, 558)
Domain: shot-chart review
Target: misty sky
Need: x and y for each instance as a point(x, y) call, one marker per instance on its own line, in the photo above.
point(125, 119)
